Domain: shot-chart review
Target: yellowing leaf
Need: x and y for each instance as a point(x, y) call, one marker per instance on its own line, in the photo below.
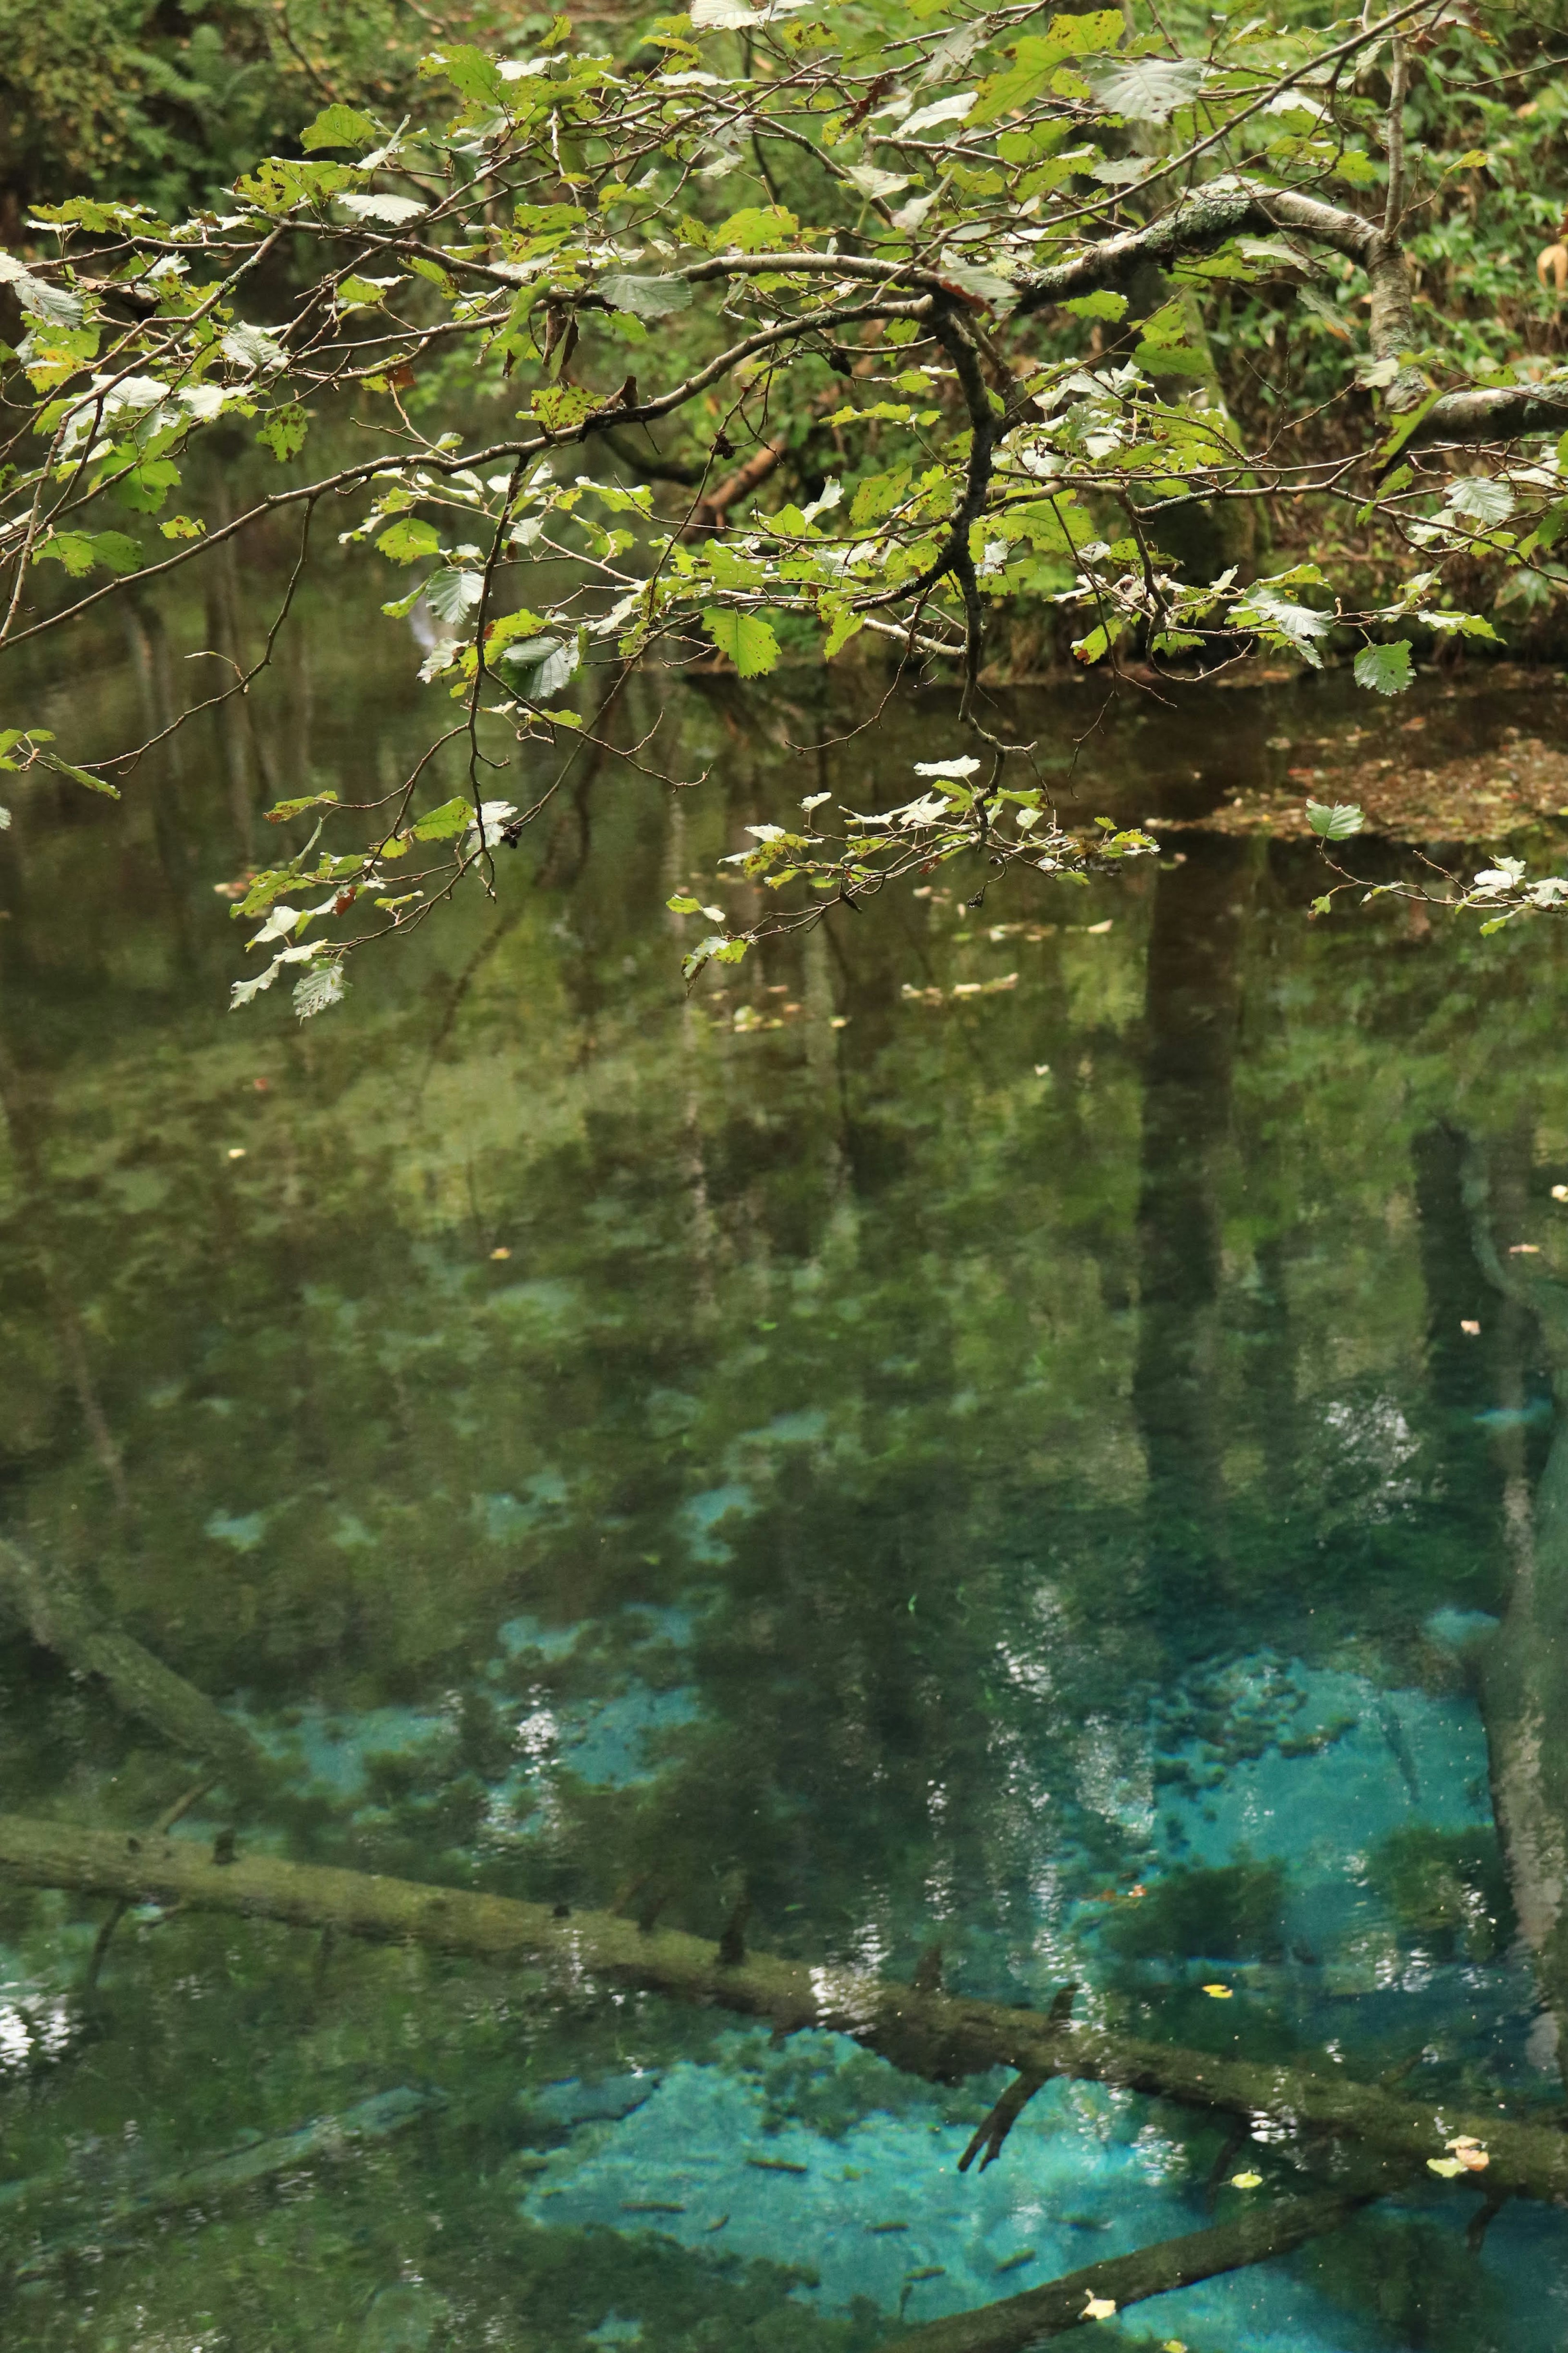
point(1218, 1992)
point(1448, 2167)
point(1246, 2182)
point(756, 230)
point(1099, 2307)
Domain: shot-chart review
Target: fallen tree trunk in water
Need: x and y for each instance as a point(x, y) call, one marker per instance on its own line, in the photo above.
point(936, 2036)
point(62, 1619)
point(216, 2177)
point(1018, 2321)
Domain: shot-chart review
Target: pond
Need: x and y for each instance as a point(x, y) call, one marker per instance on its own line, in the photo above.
point(1010, 1442)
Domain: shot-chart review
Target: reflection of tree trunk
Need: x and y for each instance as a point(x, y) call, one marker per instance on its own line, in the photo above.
point(1190, 1021)
point(691, 1152)
point(54, 1259)
point(149, 642)
point(1524, 1671)
point(242, 759)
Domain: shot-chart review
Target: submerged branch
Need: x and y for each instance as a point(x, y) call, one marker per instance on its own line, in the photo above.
point(931, 2034)
point(59, 1618)
point(1256, 2237)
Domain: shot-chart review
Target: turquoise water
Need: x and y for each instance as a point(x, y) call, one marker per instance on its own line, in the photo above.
point(1007, 1468)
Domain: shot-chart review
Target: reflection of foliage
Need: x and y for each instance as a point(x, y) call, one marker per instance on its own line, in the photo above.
point(1449, 1888)
point(1231, 1912)
point(941, 404)
point(1416, 2282)
point(165, 105)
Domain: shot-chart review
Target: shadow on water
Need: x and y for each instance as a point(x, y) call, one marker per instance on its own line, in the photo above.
point(969, 1432)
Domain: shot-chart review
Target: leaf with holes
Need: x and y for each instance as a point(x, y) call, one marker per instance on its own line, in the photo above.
point(1384, 669)
point(326, 985)
point(441, 824)
point(560, 407)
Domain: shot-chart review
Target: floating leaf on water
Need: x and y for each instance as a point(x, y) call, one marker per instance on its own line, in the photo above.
point(1448, 2167)
point(1099, 2307)
point(1246, 2182)
point(1473, 1329)
point(1218, 1992)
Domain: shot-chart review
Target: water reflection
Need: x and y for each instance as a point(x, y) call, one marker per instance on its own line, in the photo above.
point(881, 1452)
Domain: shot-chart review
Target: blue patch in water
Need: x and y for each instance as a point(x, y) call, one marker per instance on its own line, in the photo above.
point(700, 1515)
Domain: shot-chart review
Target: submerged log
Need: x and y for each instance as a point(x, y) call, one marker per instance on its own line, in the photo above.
point(939, 2036)
point(60, 1619)
point(1018, 2321)
point(212, 2178)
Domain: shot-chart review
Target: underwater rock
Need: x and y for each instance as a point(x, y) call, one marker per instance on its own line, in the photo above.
point(575, 2102)
point(403, 2320)
point(1460, 1631)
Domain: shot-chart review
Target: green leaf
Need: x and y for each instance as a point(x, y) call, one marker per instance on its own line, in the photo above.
point(1336, 823)
point(441, 824)
point(471, 74)
point(714, 949)
point(78, 776)
point(1481, 499)
point(756, 230)
point(750, 643)
point(1172, 359)
point(1101, 304)
point(71, 548)
point(453, 594)
point(1149, 90)
point(394, 212)
point(145, 486)
point(647, 298)
point(339, 126)
point(1384, 669)
point(681, 905)
point(324, 987)
point(252, 348)
point(1409, 419)
point(408, 539)
point(80, 551)
point(511, 630)
point(846, 625)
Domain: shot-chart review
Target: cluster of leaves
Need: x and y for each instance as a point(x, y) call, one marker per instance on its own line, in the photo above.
point(979, 311)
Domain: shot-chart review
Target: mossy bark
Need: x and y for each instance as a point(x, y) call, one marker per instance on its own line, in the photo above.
point(1256, 2237)
point(927, 2033)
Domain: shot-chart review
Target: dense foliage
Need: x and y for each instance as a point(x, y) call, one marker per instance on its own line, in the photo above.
point(966, 314)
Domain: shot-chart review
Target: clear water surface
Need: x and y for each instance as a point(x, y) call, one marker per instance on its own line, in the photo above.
point(969, 1428)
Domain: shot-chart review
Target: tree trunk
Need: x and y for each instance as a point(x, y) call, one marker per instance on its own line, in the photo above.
point(926, 2033)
